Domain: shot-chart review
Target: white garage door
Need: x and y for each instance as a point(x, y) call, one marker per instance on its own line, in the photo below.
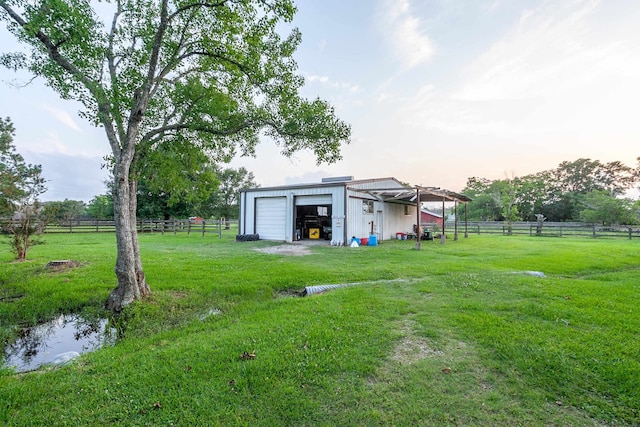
point(271, 217)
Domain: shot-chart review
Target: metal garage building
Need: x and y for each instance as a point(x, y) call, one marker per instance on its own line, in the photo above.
point(335, 209)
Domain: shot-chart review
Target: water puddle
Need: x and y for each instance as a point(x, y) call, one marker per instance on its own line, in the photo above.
point(57, 342)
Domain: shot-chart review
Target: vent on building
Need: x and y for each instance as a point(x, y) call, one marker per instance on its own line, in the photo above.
point(338, 179)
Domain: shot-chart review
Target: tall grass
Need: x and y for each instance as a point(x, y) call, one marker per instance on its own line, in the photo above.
point(466, 339)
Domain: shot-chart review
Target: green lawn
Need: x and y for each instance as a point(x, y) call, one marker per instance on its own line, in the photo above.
point(465, 339)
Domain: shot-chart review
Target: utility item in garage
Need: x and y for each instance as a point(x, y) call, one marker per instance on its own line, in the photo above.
point(314, 233)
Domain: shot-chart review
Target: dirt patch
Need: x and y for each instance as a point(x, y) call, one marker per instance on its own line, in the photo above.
point(412, 347)
point(62, 265)
point(289, 250)
point(288, 294)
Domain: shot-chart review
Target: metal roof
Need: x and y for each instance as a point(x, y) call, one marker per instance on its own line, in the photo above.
point(427, 194)
point(403, 194)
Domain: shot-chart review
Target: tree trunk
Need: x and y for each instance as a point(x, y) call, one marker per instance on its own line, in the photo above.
point(143, 286)
point(131, 281)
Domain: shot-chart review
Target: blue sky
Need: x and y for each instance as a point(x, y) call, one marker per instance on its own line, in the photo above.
point(435, 92)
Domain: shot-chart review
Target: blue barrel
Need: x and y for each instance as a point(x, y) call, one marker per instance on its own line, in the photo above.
point(373, 240)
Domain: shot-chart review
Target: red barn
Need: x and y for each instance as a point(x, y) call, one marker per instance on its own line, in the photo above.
point(427, 217)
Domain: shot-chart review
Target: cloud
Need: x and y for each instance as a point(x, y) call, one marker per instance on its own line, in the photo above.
point(547, 51)
point(63, 117)
point(405, 33)
point(74, 177)
point(327, 81)
point(553, 72)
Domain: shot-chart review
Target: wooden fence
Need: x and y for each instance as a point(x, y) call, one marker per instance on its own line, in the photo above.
point(230, 227)
point(549, 229)
point(172, 226)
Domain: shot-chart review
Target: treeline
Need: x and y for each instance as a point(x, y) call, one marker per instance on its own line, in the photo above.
point(216, 197)
point(583, 190)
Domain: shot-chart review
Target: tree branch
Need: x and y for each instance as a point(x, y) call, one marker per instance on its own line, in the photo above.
point(112, 64)
point(104, 111)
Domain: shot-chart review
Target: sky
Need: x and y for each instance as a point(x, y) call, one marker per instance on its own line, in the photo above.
point(435, 91)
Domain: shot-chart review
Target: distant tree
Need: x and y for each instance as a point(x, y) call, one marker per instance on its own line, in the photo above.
point(602, 208)
point(64, 210)
point(101, 207)
point(493, 200)
point(224, 202)
point(211, 75)
point(557, 194)
point(509, 202)
point(532, 193)
point(483, 206)
point(20, 186)
point(616, 178)
point(585, 175)
point(174, 181)
point(636, 173)
point(579, 176)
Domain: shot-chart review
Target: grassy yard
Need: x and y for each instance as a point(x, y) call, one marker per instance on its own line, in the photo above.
point(465, 339)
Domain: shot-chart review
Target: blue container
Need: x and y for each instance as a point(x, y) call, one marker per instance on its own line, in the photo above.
point(373, 240)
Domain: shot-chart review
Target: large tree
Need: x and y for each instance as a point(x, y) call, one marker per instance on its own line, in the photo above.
point(213, 75)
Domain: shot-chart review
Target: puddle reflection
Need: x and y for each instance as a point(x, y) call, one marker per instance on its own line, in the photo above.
point(64, 336)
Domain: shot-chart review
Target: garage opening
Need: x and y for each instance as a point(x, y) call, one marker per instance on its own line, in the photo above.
point(313, 222)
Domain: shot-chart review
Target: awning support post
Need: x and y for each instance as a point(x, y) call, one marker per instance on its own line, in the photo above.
point(455, 212)
point(466, 224)
point(443, 238)
point(418, 218)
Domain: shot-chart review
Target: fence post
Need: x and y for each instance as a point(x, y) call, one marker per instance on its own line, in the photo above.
point(478, 229)
point(630, 232)
point(594, 231)
point(203, 221)
point(189, 228)
point(219, 228)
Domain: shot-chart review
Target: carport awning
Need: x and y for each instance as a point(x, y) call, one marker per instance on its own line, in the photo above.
point(409, 195)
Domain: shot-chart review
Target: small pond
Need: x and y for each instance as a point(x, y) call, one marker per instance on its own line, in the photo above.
point(56, 342)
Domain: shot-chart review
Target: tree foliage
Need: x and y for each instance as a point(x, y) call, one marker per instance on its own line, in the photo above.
point(602, 208)
point(64, 210)
point(211, 192)
point(560, 194)
point(212, 76)
point(20, 186)
point(224, 202)
point(101, 207)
